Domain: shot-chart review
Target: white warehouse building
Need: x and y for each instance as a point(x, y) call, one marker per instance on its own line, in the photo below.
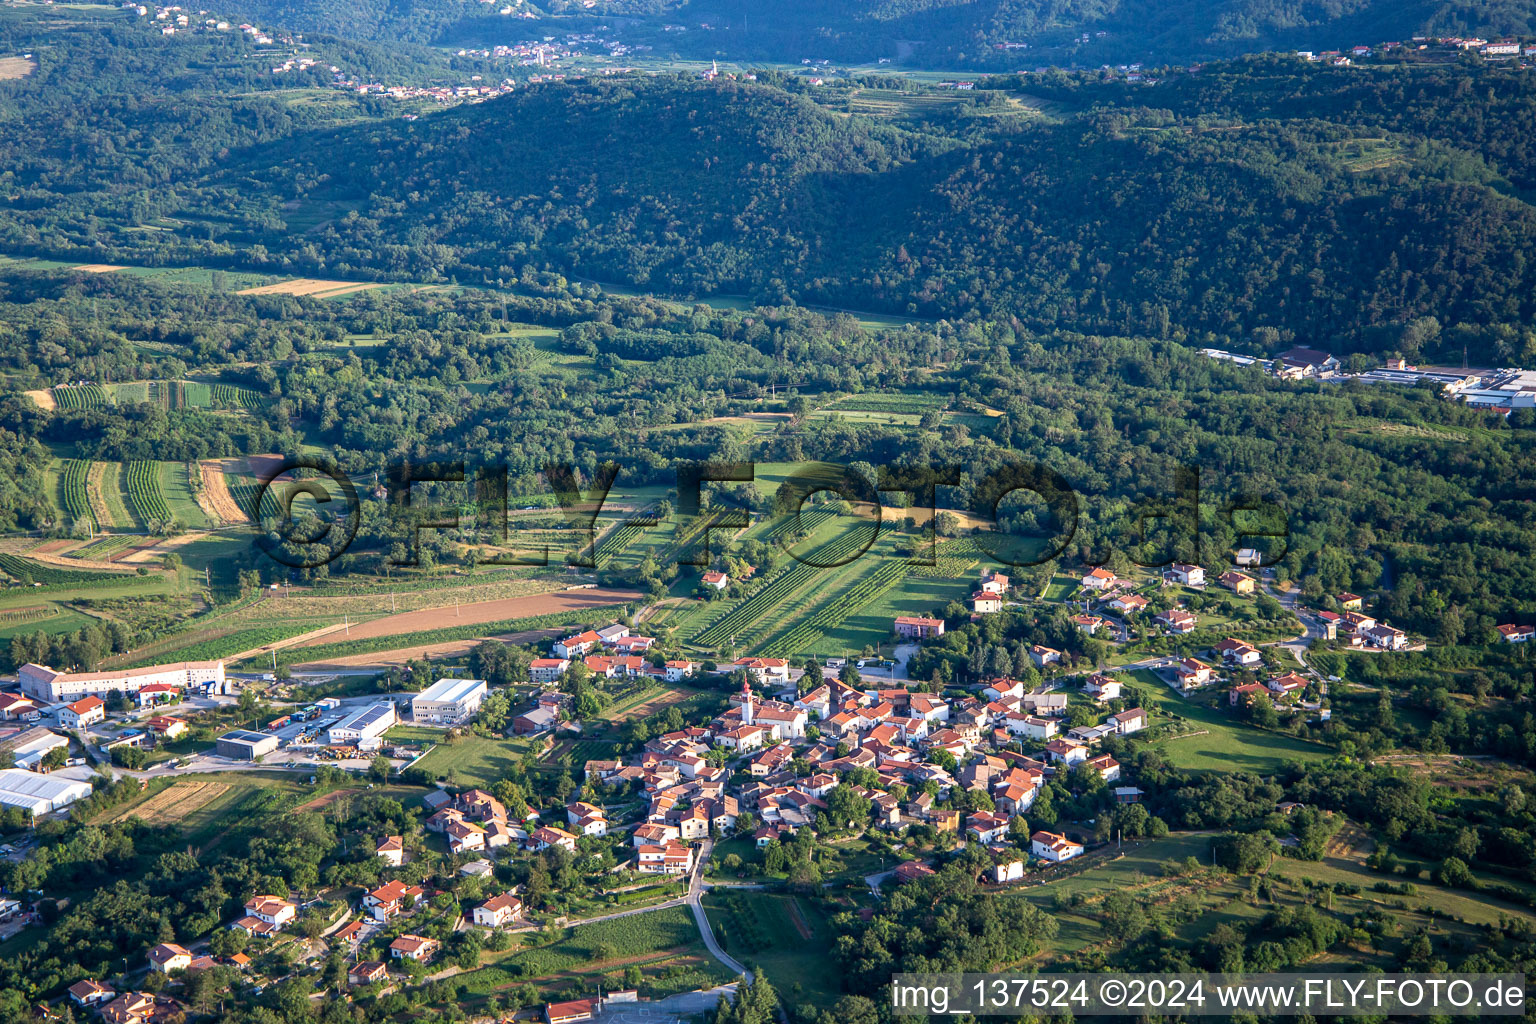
point(39, 794)
point(448, 701)
point(51, 685)
point(363, 727)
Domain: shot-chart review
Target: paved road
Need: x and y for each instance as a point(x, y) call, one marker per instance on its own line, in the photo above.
point(693, 900)
point(695, 896)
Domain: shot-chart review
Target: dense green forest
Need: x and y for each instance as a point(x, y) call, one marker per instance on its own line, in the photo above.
point(1253, 205)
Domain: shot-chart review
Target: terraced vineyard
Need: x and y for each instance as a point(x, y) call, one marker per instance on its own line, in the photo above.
point(24, 569)
point(243, 489)
point(810, 628)
point(890, 403)
point(16, 616)
point(807, 522)
point(768, 606)
point(74, 491)
point(230, 396)
point(613, 543)
point(79, 396)
point(144, 492)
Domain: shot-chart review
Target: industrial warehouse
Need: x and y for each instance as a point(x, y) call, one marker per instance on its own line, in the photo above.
point(244, 745)
point(448, 701)
point(39, 794)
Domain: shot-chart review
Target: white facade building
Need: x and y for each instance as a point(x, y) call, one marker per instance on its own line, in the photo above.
point(449, 701)
point(48, 684)
point(362, 726)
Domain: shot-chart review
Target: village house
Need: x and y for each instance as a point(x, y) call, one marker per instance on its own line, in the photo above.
point(1287, 685)
point(1107, 767)
point(671, 859)
point(1237, 652)
point(1099, 579)
point(83, 712)
point(1517, 634)
point(413, 947)
point(1177, 620)
point(89, 993)
point(994, 583)
point(1043, 656)
point(917, 627)
point(272, 910)
point(1053, 847)
point(763, 670)
point(1045, 703)
point(390, 899)
point(366, 972)
point(14, 705)
point(547, 836)
point(1245, 693)
point(1102, 688)
point(986, 827)
point(1067, 752)
point(1088, 623)
point(1030, 726)
point(1192, 673)
point(1189, 575)
point(168, 957)
point(1237, 582)
point(499, 911)
point(1129, 604)
point(167, 727)
point(984, 603)
point(1388, 638)
point(464, 836)
point(129, 1008)
point(391, 849)
point(547, 670)
point(1128, 721)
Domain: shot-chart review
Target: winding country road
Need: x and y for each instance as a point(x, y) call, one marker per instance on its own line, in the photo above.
point(694, 901)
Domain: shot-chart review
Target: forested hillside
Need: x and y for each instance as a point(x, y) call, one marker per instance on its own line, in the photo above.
point(1254, 204)
point(970, 33)
point(1181, 224)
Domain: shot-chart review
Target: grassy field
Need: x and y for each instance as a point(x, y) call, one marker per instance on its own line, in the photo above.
point(1224, 743)
point(201, 806)
point(477, 760)
point(1215, 898)
point(177, 491)
point(786, 936)
point(662, 940)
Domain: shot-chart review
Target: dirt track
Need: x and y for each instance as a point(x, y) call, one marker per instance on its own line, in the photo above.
point(221, 505)
point(401, 655)
point(485, 611)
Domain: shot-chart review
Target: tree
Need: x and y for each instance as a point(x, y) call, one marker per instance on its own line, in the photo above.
point(379, 768)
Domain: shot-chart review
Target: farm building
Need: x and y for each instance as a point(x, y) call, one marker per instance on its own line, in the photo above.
point(39, 794)
point(243, 745)
point(448, 701)
point(364, 725)
point(49, 684)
